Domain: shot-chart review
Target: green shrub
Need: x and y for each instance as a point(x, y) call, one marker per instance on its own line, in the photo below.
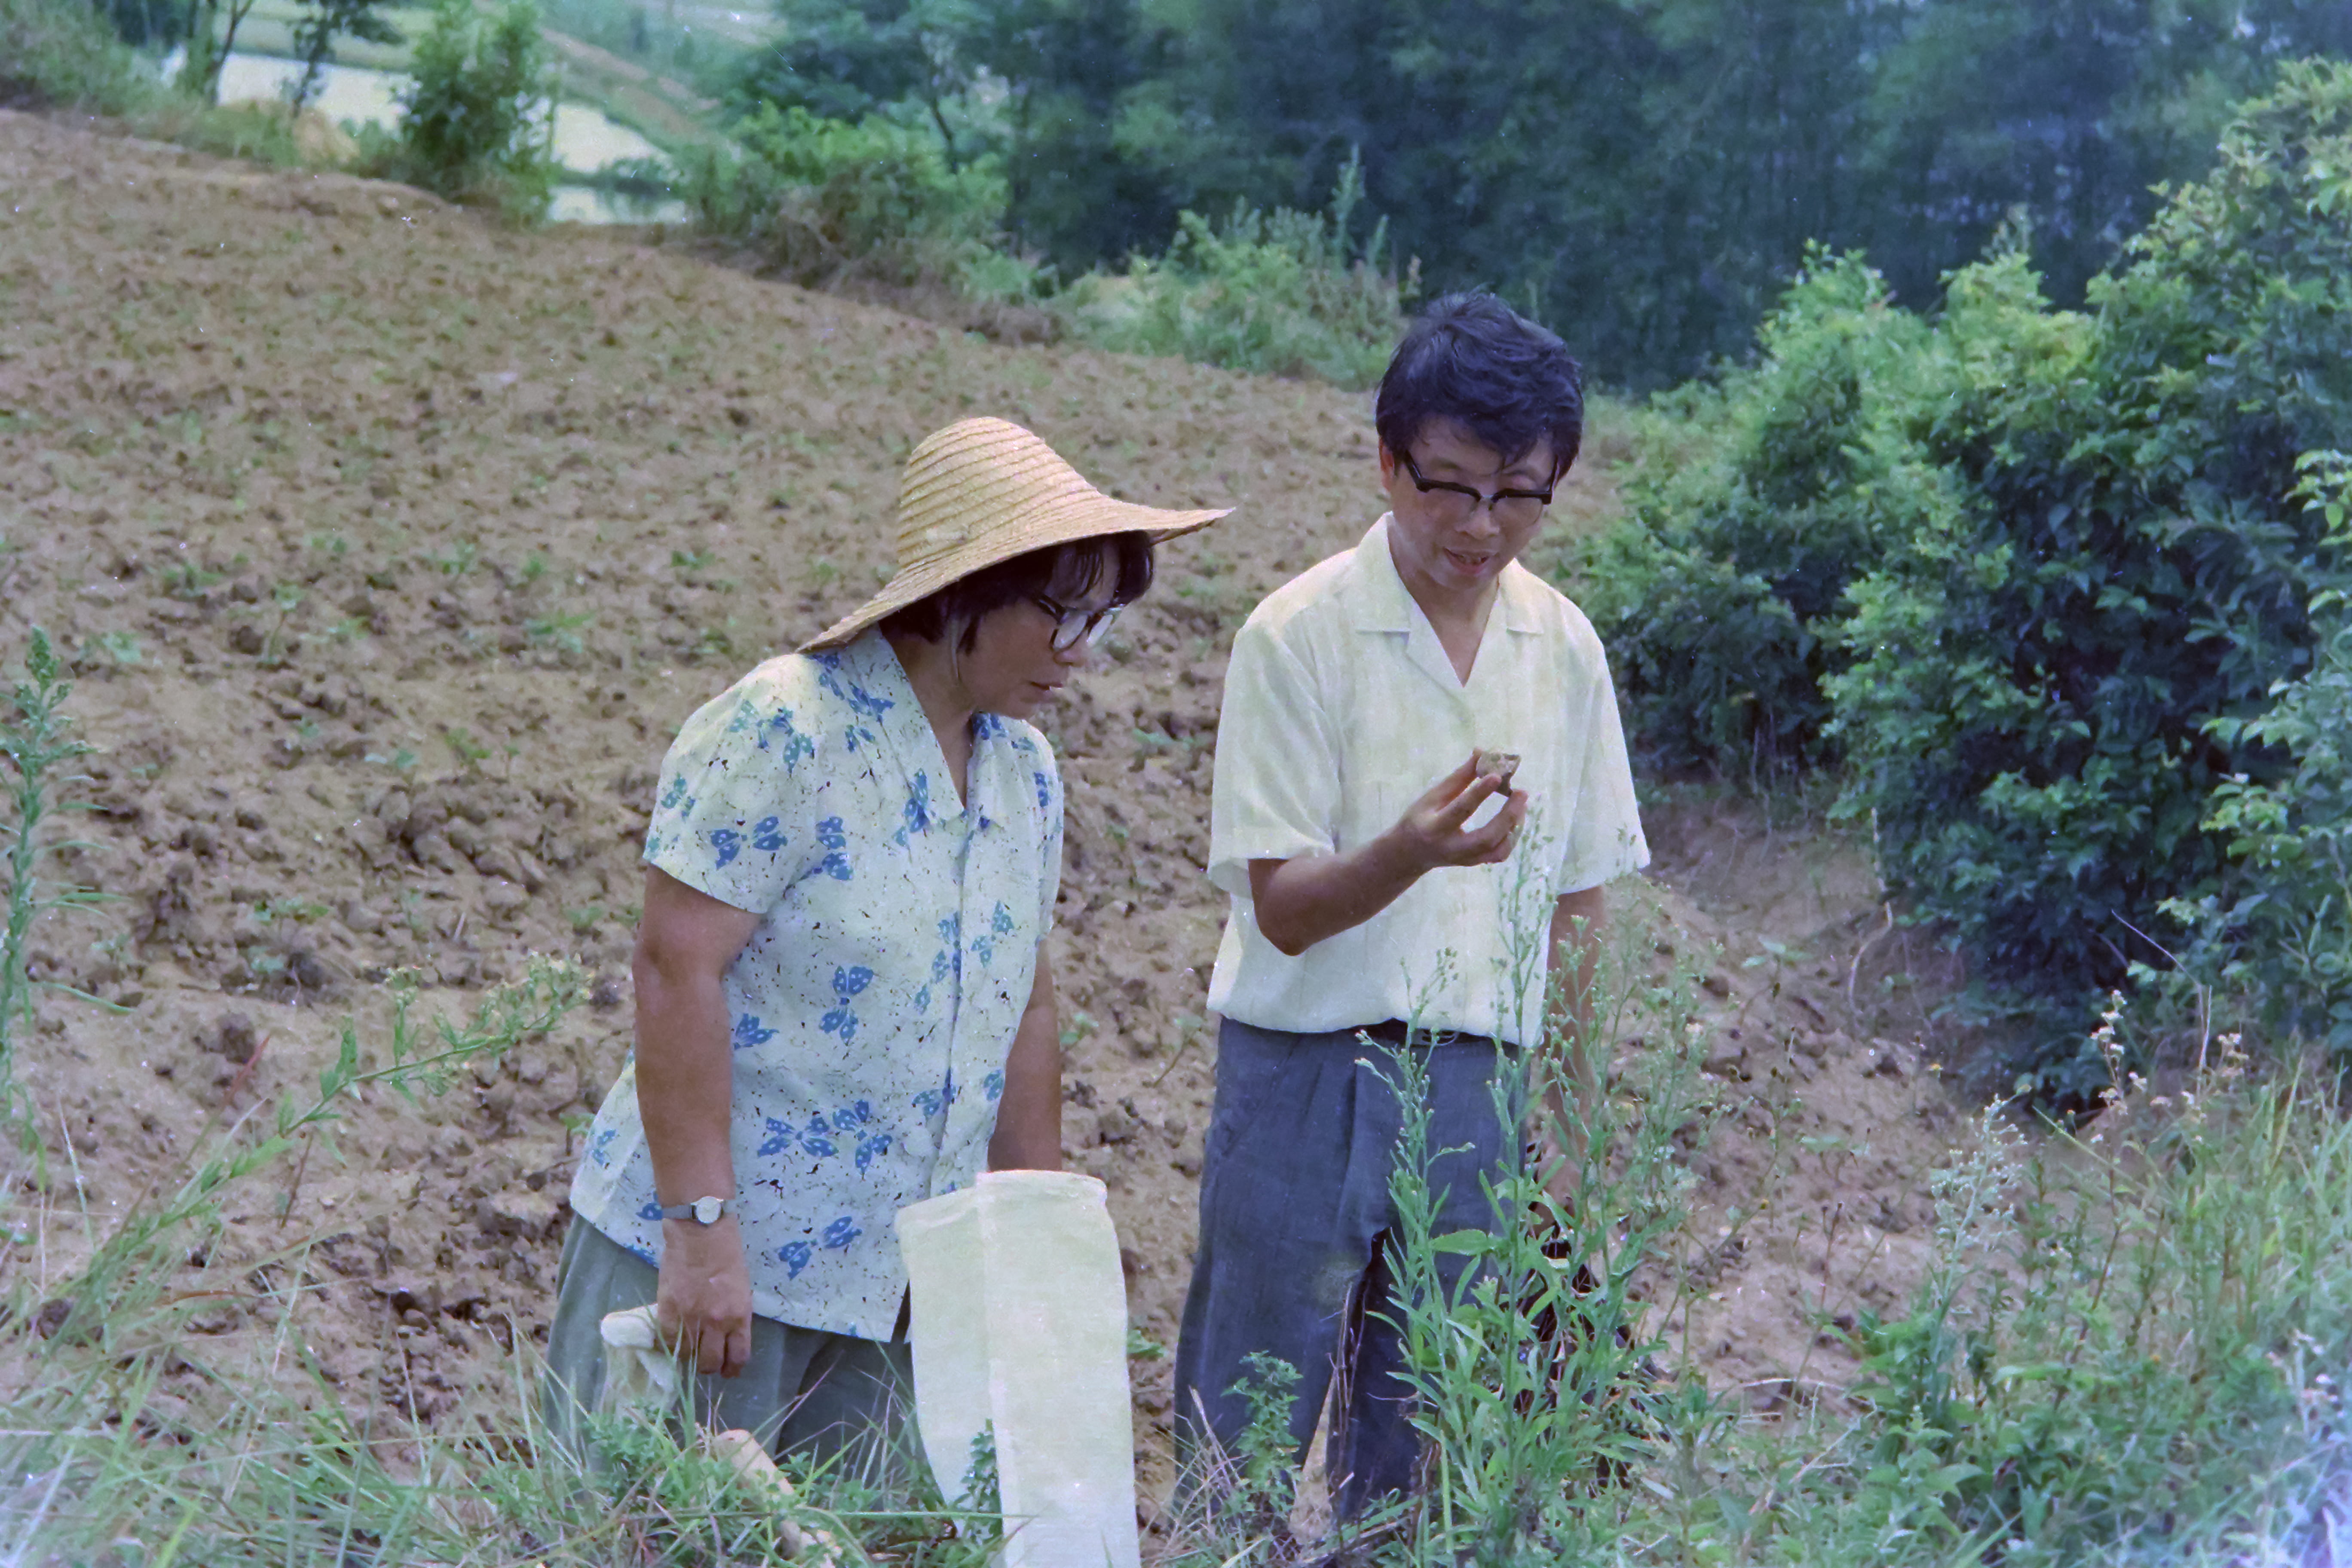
point(824, 202)
point(2010, 568)
point(2285, 944)
point(474, 124)
point(1269, 293)
point(1721, 587)
point(63, 54)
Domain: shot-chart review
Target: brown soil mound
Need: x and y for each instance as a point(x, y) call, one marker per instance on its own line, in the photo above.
point(392, 547)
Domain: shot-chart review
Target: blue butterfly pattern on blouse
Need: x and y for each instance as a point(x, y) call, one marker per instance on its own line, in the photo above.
point(841, 1233)
point(726, 842)
point(751, 1030)
point(932, 1101)
point(794, 1256)
point(914, 816)
point(768, 834)
point(835, 838)
point(815, 1140)
point(1000, 923)
point(993, 1085)
point(848, 981)
point(949, 960)
point(779, 1139)
point(788, 741)
point(864, 706)
point(600, 1148)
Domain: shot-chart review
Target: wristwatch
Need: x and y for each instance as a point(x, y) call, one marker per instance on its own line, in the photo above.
point(701, 1211)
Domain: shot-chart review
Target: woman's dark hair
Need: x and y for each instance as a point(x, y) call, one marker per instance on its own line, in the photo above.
point(1063, 572)
point(1472, 357)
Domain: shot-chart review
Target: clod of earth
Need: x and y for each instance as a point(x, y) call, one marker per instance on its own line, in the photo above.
point(1500, 764)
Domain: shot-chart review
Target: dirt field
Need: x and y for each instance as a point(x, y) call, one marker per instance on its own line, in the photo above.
point(390, 548)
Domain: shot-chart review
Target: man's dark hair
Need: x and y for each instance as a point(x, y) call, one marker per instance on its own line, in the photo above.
point(1066, 572)
point(1472, 357)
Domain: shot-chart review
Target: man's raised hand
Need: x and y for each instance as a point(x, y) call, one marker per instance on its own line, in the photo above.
point(1433, 825)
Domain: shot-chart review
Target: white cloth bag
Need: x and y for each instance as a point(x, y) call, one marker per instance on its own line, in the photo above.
point(641, 1378)
point(1018, 1320)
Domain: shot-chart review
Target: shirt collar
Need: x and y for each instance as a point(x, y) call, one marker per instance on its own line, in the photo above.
point(1384, 604)
point(870, 668)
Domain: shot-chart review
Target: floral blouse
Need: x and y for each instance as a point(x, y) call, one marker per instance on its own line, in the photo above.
point(875, 1004)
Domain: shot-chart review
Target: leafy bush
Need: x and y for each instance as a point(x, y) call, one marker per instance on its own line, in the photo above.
point(475, 116)
point(2286, 942)
point(62, 53)
point(2010, 567)
point(1721, 587)
point(826, 202)
point(1270, 293)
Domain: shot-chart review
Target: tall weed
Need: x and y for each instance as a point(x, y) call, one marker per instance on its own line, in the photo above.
point(1531, 1350)
point(35, 741)
point(1279, 293)
point(2130, 1348)
point(1536, 1387)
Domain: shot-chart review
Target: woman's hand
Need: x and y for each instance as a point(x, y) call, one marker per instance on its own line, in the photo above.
point(704, 1303)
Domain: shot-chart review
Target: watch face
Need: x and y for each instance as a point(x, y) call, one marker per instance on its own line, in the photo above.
point(708, 1210)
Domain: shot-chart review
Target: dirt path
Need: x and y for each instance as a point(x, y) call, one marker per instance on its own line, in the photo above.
point(391, 548)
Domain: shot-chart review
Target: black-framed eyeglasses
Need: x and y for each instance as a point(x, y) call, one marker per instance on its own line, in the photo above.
point(1460, 502)
point(1074, 627)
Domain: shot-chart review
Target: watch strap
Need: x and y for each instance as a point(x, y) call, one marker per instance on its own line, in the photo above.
point(702, 1211)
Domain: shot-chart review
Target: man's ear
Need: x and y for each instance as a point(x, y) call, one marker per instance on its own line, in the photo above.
point(1389, 465)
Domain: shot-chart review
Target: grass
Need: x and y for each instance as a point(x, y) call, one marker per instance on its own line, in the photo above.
point(2130, 1346)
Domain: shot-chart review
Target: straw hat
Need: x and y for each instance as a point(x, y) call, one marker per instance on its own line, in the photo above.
point(985, 490)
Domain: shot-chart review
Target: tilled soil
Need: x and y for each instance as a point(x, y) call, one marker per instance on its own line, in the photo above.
point(390, 547)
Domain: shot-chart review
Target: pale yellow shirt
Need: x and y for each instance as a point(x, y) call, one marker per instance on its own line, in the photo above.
point(1342, 709)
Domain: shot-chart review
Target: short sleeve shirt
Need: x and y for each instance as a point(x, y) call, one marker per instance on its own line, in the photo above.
point(873, 1009)
point(1340, 709)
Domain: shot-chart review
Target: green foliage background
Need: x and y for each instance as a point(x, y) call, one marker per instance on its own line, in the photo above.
point(1645, 176)
point(2033, 578)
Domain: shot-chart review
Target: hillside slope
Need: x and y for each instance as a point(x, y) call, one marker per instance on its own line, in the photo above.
point(392, 547)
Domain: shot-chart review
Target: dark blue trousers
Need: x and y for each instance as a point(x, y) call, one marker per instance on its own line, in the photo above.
point(1295, 1220)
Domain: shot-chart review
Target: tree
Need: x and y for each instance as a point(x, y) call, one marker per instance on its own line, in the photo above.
point(209, 43)
point(322, 23)
point(843, 60)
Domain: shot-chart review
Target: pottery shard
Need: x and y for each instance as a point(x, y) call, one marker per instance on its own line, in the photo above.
point(1500, 764)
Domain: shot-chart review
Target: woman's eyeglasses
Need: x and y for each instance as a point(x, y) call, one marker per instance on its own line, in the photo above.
point(1459, 504)
point(1074, 627)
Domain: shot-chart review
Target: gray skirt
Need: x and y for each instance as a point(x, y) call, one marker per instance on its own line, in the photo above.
point(804, 1391)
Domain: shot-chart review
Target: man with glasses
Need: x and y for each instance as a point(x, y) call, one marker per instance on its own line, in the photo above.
point(1420, 787)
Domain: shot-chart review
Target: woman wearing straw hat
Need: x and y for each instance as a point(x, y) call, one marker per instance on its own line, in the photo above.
point(843, 999)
